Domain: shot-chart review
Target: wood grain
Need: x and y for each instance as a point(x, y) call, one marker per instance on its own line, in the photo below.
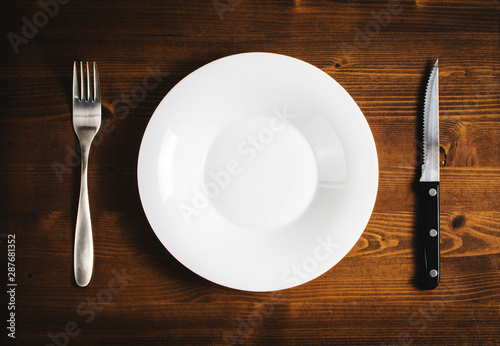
point(370, 297)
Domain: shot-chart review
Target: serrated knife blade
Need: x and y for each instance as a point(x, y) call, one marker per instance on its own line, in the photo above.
point(430, 167)
point(429, 183)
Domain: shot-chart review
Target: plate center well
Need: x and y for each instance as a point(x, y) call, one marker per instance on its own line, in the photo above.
point(260, 173)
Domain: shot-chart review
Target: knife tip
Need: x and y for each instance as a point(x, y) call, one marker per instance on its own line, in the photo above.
point(436, 63)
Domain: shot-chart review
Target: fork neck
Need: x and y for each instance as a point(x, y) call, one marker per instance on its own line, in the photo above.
point(84, 152)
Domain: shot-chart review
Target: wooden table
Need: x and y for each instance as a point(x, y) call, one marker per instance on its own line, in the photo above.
point(379, 51)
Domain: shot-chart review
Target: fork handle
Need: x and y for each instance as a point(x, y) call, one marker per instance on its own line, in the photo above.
point(84, 249)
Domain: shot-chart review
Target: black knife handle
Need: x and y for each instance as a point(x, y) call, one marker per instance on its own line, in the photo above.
point(429, 197)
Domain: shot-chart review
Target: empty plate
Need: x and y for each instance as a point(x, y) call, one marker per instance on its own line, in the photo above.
point(258, 172)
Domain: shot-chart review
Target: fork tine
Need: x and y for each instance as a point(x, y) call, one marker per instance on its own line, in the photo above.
point(82, 87)
point(88, 82)
point(76, 90)
point(97, 86)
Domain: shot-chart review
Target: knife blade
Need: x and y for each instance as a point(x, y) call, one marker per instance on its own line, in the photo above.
point(429, 183)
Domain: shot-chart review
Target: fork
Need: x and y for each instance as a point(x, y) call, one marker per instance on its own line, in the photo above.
point(86, 123)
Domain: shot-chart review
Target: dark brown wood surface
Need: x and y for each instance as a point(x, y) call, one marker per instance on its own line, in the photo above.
point(368, 298)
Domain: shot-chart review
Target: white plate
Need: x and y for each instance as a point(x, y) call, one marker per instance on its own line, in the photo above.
point(258, 172)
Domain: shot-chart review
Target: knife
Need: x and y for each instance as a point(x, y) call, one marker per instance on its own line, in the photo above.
point(429, 183)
